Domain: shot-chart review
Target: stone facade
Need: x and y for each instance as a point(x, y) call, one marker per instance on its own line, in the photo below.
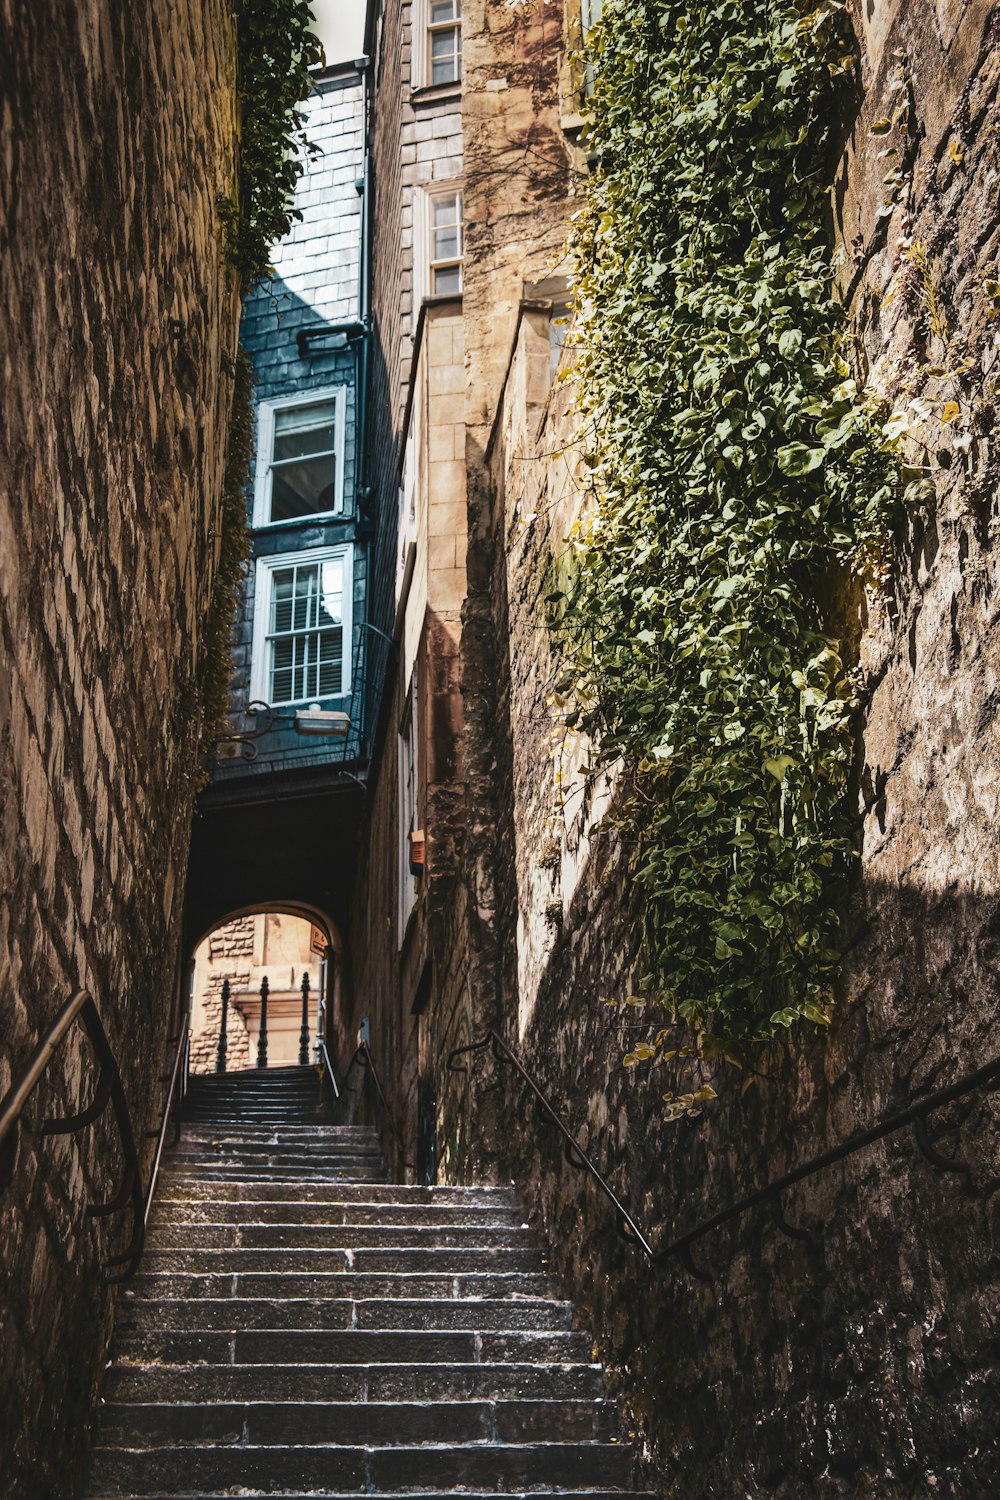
point(118, 323)
point(272, 945)
point(861, 1362)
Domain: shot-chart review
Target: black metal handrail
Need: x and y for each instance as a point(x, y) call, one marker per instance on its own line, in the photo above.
point(109, 1089)
point(364, 1056)
point(178, 1076)
point(325, 1062)
point(916, 1115)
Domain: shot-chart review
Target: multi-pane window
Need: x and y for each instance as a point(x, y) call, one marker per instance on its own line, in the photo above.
point(445, 248)
point(301, 444)
point(444, 41)
point(302, 621)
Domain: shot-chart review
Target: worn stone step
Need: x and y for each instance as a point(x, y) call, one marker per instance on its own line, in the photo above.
point(351, 1346)
point(367, 1423)
point(357, 1382)
point(213, 1236)
point(260, 1153)
point(220, 1172)
point(518, 1467)
point(233, 1314)
point(292, 1130)
point(542, 1493)
point(336, 1284)
point(410, 1261)
point(403, 1215)
point(191, 1185)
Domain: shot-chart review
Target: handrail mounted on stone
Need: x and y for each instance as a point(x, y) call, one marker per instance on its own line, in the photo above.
point(916, 1115)
point(109, 1090)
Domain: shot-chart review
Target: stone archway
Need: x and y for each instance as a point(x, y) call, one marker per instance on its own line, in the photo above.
point(287, 945)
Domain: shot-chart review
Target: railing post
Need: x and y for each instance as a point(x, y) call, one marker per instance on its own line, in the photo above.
point(220, 1061)
point(304, 1033)
point(262, 1035)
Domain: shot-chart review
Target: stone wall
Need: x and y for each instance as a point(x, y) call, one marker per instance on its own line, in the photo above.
point(118, 323)
point(862, 1362)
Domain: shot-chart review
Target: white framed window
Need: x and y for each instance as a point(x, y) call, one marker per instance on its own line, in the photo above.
point(437, 53)
point(444, 241)
point(300, 457)
point(407, 805)
point(302, 627)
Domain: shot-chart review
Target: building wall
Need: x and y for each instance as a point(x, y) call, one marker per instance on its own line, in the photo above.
point(316, 290)
point(117, 335)
point(862, 1363)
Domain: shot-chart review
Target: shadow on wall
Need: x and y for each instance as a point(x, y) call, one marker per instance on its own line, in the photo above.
point(860, 1363)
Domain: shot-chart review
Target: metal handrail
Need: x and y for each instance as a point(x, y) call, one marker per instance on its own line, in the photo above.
point(915, 1115)
point(109, 1089)
point(329, 1067)
point(178, 1071)
point(364, 1055)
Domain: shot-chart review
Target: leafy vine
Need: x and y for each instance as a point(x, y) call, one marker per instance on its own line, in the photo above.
point(738, 476)
point(275, 48)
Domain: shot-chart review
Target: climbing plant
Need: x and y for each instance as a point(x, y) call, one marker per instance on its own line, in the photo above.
point(276, 47)
point(738, 476)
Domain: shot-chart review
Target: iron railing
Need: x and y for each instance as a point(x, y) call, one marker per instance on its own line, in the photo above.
point(363, 1055)
point(326, 1067)
point(915, 1115)
point(177, 1078)
point(109, 1090)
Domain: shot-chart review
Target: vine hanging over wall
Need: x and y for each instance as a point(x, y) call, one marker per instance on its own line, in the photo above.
point(275, 48)
point(737, 476)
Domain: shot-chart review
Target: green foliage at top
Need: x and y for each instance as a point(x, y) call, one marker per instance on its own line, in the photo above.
point(737, 478)
point(275, 48)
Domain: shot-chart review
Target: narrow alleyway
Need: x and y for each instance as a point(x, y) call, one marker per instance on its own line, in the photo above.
point(298, 1324)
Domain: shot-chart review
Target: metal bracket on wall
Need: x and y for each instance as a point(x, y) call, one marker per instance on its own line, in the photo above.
point(916, 1115)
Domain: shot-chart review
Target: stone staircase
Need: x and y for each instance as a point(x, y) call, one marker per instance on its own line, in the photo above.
point(301, 1327)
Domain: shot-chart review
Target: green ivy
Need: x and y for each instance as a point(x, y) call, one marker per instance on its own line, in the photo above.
point(275, 48)
point(738, 477)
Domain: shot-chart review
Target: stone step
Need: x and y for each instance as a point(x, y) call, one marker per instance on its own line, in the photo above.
point(518, 1467)
point(388, 1215)
point(233, 1314)
point(360, 1134)
point(265, 1423)
point(357, 1382)
point(353, 1285)
point(351, 1346)
point(357, 1172)
point(412, 1262)
point(542, 1493)
point(193, 1185)
point(277, 1236)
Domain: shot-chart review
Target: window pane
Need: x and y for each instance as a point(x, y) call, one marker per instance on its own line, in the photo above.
point(281, 599)
point(446, 52)
point(304, 429)
point(445, 210)
point(444, 10)
point(332, 604)
point(446, 244)
point(306, 588)
point(302, 488)
point(447, 279)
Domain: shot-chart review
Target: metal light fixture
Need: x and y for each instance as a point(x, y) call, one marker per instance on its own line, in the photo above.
point(324, 723)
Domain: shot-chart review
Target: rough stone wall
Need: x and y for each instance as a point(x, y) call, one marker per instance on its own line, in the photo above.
point(862, 1363)
point(118, 323)
point(230, 956)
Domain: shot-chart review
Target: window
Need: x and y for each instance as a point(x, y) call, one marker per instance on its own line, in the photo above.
point(444, 41)
point(300, 470)
point(445, 242)
point(302, 627)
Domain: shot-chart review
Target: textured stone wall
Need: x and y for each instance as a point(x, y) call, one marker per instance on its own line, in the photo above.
point(118, 324)
point(861, 1363)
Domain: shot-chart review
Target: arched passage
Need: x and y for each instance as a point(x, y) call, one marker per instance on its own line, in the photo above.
point(290, 952)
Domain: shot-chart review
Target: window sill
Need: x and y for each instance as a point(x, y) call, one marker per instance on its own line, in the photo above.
point(436, 93)
point(321, 518)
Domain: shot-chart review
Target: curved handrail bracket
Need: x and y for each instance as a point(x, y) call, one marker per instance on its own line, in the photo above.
point(109, 1089)
point(986, 1078)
